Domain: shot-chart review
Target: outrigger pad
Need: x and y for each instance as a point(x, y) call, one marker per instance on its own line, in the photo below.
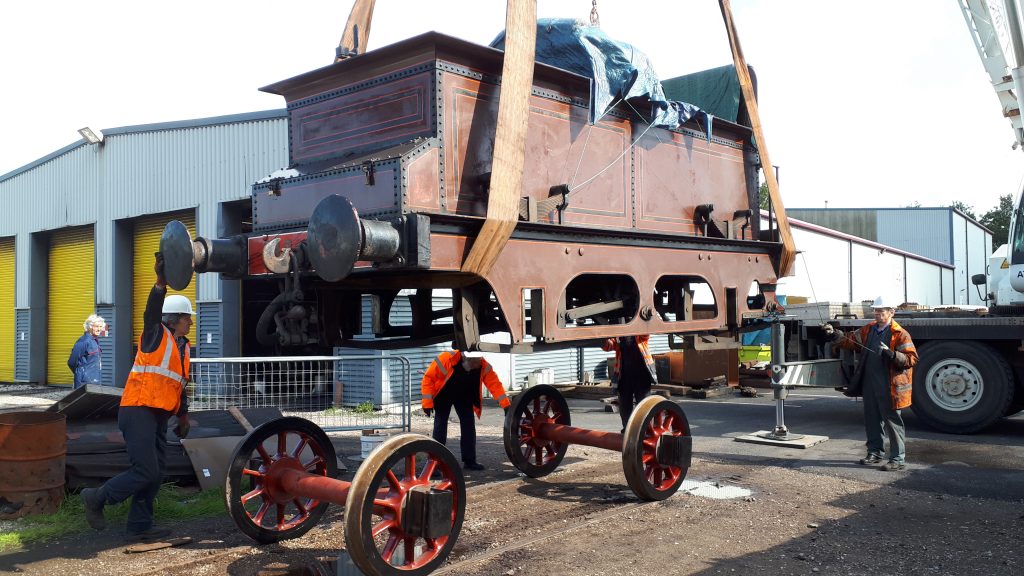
point(176, 247)
point(674, 451)
point(427, 512)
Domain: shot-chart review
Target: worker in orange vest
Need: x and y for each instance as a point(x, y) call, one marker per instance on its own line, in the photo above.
point(154, 392)
point(634, 371)
point(454, 380)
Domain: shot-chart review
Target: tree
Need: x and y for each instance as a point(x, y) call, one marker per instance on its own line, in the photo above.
point(998, 220)
point(762, 196)
point(963, 208)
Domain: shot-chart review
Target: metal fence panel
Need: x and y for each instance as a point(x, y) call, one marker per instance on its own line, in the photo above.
point(312, 387)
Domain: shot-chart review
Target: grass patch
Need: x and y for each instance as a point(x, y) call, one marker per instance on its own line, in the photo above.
point(364, 408)
point(172, 504)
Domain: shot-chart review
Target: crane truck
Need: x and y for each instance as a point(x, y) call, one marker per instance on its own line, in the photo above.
point(970, 372)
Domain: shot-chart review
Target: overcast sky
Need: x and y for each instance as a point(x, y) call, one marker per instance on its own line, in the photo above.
point(867, 103)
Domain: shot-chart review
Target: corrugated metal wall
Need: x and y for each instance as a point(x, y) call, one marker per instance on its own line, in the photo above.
point(22, 318)
point(859, 223)
point(208, 337)
point(145, 243)
point(109, 313)
point(70, 298)
point(7, 309)
point(921, 231)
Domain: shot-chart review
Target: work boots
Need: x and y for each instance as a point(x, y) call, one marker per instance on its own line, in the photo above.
point(92, 500)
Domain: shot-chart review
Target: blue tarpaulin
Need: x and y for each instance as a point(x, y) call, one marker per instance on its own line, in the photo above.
point(618, 71)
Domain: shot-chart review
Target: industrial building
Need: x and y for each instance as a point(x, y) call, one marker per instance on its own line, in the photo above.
point(82, 225)
point(942, 234)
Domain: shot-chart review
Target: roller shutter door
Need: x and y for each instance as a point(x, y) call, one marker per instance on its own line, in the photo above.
point(7, 309)
point(146, 243)
point(71, 297)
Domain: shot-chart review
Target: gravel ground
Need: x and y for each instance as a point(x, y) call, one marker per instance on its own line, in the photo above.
point(584, 521)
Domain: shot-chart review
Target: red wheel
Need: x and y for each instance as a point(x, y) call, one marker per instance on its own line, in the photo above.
point(257, 502)
point(532, 455)
point(405, 508)
point(657, 448)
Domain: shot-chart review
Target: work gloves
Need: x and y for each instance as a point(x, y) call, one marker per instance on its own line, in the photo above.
point(161, 280)
point(886, 352)
point(182, 427)
point(831, 333)
point(428, 411)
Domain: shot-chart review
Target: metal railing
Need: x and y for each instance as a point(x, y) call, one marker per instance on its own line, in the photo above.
point(335, 392)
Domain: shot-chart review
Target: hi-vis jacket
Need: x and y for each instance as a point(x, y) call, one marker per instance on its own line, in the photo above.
point(901, 369)
point(641, 342)
point(157, 378)
point(440, 370)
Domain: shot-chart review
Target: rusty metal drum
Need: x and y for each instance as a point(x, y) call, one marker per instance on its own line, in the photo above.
point(32, 449)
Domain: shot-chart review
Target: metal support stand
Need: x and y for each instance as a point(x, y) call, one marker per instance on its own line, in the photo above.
point(780, 435)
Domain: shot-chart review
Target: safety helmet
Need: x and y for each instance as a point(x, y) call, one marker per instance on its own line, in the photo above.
point(884, 302)
point(177, 304)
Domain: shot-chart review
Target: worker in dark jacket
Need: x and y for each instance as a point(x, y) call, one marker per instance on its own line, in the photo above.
point(885, 374)
point(84, 360)
point(634, 371)
point(154, 392)
point(456, 380)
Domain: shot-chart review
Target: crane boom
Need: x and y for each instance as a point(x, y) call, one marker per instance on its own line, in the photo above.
point(985, 21)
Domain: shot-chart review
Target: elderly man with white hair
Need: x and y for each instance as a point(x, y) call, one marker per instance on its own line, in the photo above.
point(84, 361)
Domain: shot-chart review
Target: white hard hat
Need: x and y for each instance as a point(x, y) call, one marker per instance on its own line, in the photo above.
point(884, 302)
point(177, 304)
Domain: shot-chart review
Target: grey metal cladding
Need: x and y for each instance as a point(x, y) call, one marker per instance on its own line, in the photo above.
point(921, 231)
point(209, 339)
point(21, 340)
point(109, 314)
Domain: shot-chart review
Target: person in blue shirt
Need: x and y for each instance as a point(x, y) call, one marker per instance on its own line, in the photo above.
point(85, 361)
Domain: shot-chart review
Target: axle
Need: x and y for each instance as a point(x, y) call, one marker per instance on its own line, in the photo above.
point(573, 435)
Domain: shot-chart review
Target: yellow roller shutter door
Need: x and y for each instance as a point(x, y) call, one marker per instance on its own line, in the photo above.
point(146, 243)
point(71, 298)
point(7, 309)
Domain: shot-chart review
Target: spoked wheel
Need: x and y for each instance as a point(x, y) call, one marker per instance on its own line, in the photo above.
point(260, 506)
point(532, 455)
point(656, 449)
point(405, 508)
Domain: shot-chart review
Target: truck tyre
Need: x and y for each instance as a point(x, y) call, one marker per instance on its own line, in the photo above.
point(960, 386)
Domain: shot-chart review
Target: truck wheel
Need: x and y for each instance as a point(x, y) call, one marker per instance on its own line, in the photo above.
point(961, 387)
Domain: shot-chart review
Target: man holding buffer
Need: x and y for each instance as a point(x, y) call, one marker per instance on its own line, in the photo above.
point(154, 392)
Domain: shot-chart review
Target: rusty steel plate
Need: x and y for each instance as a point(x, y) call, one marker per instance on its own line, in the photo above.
point(256, 500)
point(176, 247)
point(653, 418)
point(380, 537)
point(526, 449)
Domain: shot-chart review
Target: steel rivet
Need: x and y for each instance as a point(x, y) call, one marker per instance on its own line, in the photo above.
point(566, 249)
point(581, 251)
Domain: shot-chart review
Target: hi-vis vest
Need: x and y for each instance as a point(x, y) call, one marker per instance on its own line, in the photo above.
point(158, 377)
point(440, 370)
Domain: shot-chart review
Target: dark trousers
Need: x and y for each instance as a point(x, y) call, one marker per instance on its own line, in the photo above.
point(464, 409)
point(145, 437)
point(631, 392)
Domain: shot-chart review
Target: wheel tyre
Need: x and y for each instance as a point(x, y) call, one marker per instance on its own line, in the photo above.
point(234, 489)
point(367, 486)
point(546, 397)
point(638, 448)
point(992, 371)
